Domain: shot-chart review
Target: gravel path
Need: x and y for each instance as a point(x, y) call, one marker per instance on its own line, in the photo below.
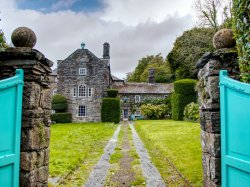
point(152, 175)
point(98, 175)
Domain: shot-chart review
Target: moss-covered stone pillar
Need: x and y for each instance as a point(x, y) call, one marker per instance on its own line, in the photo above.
point(35, 133)
point(209, 98)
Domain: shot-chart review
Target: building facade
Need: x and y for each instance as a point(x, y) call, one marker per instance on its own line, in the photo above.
point(84, 79)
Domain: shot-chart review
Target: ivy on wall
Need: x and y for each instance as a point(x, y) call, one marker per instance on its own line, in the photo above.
point(241, 11)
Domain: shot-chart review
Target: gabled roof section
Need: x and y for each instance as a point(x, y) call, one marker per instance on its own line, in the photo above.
point(144, 88)
point(82, 52)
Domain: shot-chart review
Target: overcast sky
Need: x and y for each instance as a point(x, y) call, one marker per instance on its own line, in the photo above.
point(134, 28)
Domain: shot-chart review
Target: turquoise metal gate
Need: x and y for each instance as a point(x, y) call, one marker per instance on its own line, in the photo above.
point(235, 132)
point(11, 90)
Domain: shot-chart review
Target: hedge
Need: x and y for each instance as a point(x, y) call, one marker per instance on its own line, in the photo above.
point(61, 117)
point(59, 103)
point(111, 110)
point(241, 27)
point(112, 93)
point(185, 86)
point(184, 93)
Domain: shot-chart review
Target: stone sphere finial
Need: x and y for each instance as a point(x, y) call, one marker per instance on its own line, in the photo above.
point(23, 37)
point(224, 39)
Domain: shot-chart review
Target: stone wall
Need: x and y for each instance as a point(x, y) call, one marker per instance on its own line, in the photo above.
point(97, 78)
point(35, 130)
point(209, 97)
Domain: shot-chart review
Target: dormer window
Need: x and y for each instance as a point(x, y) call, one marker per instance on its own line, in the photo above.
point(82, 71)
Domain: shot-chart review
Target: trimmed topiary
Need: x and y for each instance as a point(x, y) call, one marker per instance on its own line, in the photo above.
point(59, 103)
point(112, 93)
point(185, 86)
point(184, 93)
point(111, 110)
point(61, 117)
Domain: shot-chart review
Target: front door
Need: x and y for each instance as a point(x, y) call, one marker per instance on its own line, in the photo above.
point(125, 114)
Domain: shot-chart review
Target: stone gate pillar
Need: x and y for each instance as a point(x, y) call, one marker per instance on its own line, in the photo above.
point(224, 58)
point(35, 133)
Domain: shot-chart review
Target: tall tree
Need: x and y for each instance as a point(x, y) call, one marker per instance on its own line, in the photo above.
point(212, 13)
point(187, 50)
point(157, 62)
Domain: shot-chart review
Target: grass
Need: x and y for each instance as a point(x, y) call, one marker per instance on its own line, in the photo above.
point(75, 149)
point(176, 140)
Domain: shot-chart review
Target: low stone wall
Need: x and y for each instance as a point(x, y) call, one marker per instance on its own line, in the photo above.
point(209, 98)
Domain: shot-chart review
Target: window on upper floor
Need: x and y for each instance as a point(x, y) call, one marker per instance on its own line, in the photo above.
point(82, 91)
point(137, 98)
point(82, 111)
point(82, 71)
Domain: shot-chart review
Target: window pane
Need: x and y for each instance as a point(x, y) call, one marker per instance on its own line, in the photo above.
point(82, 110)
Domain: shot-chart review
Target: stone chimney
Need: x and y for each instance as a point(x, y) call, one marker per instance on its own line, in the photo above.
point(151, 75)
point(106, 47)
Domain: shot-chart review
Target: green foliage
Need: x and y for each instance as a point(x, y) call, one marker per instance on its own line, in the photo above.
point(188, 49)
point(160, 101)
point(154, 111)
point(158, 63)
point(3, 44)
point(112, 93)
point(111, 110)
point(184, 93)
point(61, 117)
point(191, 112)
point(185, 86)
point(59, 103)
point(241, 27)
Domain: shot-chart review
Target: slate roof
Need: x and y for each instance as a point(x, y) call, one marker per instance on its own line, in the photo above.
point(114, 78)
point(144, 88)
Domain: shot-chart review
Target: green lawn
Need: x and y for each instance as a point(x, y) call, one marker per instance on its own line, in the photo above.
point(176, 140)
point(76, 148)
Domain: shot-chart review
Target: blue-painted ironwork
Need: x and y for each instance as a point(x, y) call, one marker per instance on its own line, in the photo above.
point(11, 90)
point(235, 131)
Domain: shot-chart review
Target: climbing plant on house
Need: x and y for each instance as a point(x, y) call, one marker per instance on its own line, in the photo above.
point(241, 11)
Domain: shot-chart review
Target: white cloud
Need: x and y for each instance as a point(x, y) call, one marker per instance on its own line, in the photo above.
point(61, 33)
point(62, 4)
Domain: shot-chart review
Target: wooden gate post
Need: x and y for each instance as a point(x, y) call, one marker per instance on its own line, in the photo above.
point(209, 99)
point(35, 132)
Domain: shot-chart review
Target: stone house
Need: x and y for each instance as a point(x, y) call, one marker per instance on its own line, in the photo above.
point(84, 78)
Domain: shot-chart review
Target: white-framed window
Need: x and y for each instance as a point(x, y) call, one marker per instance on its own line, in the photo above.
point(82, 111)
point(90, 92)
point(82, 71)
point(74, 92)
point(54, 92)
point(82, 91)
point(137, 98)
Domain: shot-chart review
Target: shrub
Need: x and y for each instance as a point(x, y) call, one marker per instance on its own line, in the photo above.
point(61, 117)
point(59, 103)
point(111, 110)
point(151, 111)
point(184, 93)
point(112, 93)
point(191, 112)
